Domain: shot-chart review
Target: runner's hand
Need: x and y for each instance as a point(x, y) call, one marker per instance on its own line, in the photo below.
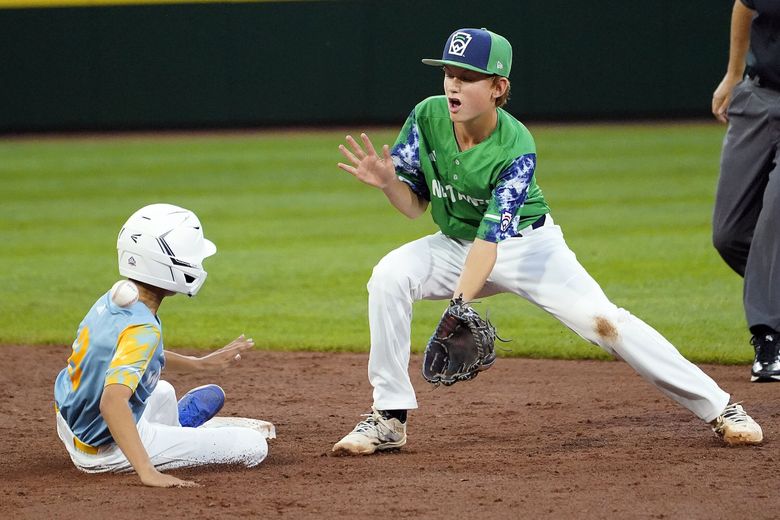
point(157, 479)
point(228, 355)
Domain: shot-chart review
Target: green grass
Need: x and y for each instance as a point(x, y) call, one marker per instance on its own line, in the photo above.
point(298, 237)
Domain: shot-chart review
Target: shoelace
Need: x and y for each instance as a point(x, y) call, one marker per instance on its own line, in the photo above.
point(367, 424)
point(735, 413)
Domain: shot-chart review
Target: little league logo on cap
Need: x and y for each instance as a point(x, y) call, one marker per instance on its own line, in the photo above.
point(476, 49)
point(458, 43)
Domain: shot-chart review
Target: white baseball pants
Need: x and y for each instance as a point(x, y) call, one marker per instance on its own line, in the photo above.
point(541, 268)
point(168, 444)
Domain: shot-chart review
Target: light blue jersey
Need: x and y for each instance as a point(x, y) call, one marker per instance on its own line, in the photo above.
point(115, 345)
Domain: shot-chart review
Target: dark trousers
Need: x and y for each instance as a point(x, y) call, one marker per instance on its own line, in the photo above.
point(746, 218)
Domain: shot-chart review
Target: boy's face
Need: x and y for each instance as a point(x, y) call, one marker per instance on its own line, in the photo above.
point(469, 94)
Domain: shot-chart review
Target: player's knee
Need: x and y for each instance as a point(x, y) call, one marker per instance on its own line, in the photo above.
point(726, 239)
point(258, 451)
point(605, 328)
point(252, 447)
point(721, 240)
point(165, 390)
point(733, 247)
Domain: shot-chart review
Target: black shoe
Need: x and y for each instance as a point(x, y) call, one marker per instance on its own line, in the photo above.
point(766, 365)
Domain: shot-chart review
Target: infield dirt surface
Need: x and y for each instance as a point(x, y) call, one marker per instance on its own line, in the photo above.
point(527, 439)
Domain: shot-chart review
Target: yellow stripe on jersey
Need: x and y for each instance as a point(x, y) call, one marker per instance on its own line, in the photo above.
point(80, 347)
point(135, 348)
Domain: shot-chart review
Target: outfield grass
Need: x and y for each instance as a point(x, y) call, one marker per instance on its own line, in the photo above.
point(298, 237)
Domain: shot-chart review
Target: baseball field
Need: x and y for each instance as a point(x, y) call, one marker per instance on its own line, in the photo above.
point(555, 429)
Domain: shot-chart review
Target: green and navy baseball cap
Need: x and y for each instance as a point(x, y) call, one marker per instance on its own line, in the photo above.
point(476, 49)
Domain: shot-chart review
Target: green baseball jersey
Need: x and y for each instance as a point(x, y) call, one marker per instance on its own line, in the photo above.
point(488, 191)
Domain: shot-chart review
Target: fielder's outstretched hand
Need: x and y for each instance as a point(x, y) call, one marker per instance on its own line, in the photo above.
point(367, 166)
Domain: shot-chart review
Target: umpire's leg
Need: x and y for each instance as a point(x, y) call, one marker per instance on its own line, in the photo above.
point(746, 223)
point(762, 273)
point(745, 161)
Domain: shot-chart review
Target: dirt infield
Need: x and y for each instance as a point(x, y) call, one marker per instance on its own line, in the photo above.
point(528, 439)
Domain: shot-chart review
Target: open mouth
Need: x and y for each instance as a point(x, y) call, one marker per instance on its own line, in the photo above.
point(454, 103)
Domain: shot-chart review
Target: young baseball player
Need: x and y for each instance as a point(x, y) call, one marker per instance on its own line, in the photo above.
point(474, 164)
point(114, 413)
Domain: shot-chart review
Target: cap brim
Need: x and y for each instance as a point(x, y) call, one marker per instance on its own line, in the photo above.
point(441, 63)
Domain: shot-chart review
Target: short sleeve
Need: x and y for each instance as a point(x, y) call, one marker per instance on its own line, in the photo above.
point(135, 347)
point(502, 218)
point(406, 158)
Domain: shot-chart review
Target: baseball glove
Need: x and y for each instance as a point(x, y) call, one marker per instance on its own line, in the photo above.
point(461, 346)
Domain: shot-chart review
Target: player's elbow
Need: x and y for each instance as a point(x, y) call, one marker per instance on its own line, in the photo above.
point(113, 397)
point(412, 213)
point(416, 210)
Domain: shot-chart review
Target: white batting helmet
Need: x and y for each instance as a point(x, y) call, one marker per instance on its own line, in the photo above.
point(163, 245)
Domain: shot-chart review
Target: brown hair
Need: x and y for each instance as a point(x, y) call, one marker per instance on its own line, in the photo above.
point(503, 98)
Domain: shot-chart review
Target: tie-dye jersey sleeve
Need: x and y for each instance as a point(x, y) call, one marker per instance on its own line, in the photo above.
point(135, 347)
point(502, 217)
point(406, 158)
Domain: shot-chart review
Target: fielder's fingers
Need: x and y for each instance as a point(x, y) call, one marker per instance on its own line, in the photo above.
point(356, 148)
point(349, 155)
point(347, 168)
point(386, 152)
point(368, 144)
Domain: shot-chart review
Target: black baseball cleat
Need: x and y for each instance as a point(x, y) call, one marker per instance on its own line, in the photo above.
point(766, 365)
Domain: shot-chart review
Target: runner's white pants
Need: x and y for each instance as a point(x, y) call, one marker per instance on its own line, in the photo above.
point(170, 445)
point(541, 268)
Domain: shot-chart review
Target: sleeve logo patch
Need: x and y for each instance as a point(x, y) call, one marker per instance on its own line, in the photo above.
point(506, 220)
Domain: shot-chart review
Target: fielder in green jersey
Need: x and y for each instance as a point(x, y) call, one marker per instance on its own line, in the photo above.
point(475, 165)
point(488, 191)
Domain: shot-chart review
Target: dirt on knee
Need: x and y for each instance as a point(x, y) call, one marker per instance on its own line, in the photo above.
point(606, 329)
